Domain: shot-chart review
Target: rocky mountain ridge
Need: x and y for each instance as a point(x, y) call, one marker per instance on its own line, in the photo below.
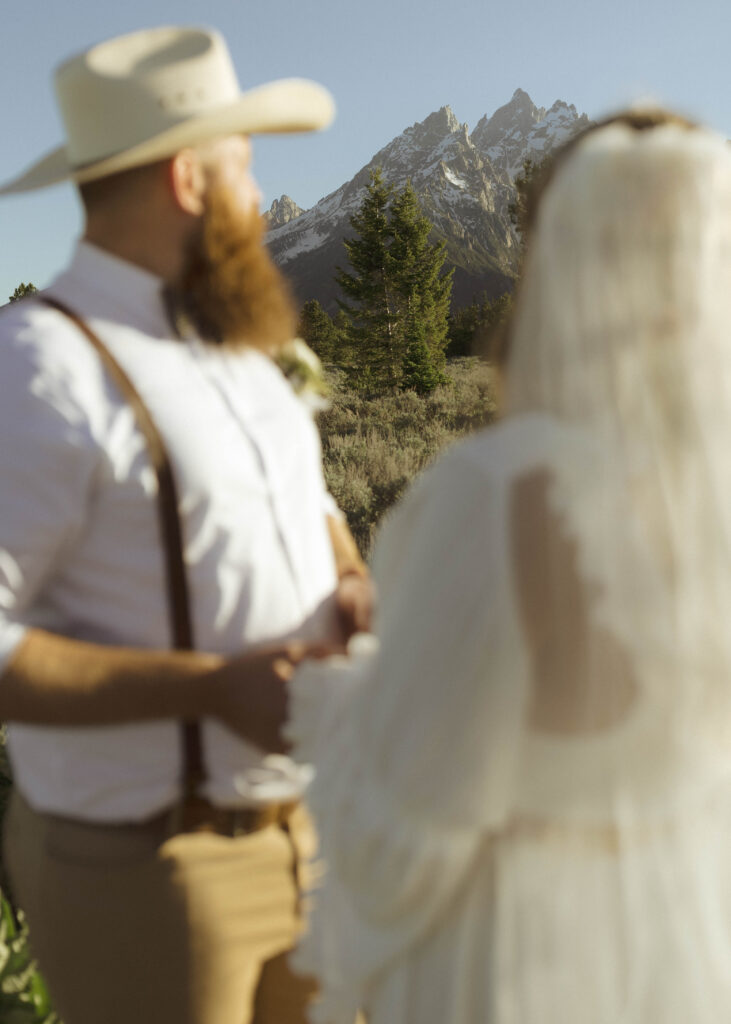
point(282, 211)
point(465, 183)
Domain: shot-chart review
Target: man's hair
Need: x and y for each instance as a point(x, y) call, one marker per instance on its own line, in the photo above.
point(116, 187)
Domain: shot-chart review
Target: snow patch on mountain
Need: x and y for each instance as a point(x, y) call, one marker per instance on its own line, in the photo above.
point(520, 130)
point(455, 179)
point(465, 184)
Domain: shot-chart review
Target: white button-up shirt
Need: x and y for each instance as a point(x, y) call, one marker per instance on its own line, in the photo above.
point(80, 550)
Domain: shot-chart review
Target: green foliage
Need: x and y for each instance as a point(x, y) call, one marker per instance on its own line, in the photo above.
point(6, 786)
point(424, 292)
point(319, 331)
point(472, 327)
point(529, 177)
point(23, 995)
point(372, 327)
point(463, 324)
point(419, 370)
point(396, 299)
point(373, 448)
point(22, 290)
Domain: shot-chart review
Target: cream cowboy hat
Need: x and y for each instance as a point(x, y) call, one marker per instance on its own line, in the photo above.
point(145, 96)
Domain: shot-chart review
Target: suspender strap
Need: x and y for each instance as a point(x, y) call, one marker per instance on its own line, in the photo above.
point(170, 529)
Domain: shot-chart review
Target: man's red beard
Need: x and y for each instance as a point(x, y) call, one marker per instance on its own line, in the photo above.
point(230, 289)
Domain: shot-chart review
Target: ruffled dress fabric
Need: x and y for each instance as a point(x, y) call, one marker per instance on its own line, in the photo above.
point(478, 872)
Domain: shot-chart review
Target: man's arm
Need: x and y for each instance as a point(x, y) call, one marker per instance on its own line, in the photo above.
point(355, 596)
point(348, 560)
point(53, 680)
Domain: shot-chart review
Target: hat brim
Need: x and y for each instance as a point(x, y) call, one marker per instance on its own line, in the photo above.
point(287, 105)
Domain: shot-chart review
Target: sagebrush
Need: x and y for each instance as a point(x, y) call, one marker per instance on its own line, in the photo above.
point(374, 447)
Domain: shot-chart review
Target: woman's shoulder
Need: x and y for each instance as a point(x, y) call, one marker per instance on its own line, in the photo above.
point(507, 448)
point(462, 492)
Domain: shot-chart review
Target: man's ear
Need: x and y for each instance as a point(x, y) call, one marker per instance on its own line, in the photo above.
point(188, 181)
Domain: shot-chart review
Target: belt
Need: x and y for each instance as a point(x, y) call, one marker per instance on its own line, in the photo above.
point(195, 814)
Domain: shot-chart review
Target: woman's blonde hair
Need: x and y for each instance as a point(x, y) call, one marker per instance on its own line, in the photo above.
point(636, 120)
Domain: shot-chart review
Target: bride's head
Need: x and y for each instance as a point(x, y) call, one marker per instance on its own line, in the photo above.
point(622, 332)
point(627, 277)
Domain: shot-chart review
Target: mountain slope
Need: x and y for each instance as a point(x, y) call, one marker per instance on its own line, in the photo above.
point(464, 182)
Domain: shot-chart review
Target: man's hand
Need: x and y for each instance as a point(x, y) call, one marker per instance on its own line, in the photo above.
point(252, 691)
point(355, 599)
point(54, 680)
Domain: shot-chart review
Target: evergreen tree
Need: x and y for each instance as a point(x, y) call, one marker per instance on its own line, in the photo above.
point(423, 294)
point(472, 328)
point(398, 310)
point(22, 290)
point(528, 179)
point(419, 371)
point(372, 316)
point(318, 330)
point(462, 326)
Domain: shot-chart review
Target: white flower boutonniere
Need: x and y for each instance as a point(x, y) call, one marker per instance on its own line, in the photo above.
point(303, 370)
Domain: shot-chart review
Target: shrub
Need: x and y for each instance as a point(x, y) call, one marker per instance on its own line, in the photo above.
point(23, 995)
point(374, 448)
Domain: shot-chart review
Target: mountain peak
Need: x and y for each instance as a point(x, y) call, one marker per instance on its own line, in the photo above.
point(560, 106)
point(514, 118)
point(434, 127)
point(520, 129)
point(282, 211)
point(520, 97)
point(464, 189)
point(426, 140)
point(444, 117)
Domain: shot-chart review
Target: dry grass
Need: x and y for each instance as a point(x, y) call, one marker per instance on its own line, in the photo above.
point(373, 448)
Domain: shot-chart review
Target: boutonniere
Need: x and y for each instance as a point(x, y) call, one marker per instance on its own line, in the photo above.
point(303, 370)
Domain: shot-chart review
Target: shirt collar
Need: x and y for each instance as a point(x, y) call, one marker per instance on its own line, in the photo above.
point(107, 286)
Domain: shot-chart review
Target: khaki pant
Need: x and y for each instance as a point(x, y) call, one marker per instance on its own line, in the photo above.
point(130, 927)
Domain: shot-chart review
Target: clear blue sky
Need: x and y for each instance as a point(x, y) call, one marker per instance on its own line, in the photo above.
point(389, 63)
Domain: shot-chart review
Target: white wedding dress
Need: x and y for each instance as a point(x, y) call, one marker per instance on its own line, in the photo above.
point(523, 785)
point(465, 850)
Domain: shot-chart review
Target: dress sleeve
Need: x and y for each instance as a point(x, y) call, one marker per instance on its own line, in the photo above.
point(47, 460)
point(414, 736)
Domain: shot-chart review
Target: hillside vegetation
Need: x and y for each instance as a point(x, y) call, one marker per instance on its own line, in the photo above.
point(374, 447)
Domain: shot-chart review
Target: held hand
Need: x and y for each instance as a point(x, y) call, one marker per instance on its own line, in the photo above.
point(355, 600)
point(252, 697)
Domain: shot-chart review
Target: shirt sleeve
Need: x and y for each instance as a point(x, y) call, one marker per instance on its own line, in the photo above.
point(329, 505)
point(47, 461)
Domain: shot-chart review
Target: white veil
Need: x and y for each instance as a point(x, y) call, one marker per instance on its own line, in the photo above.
point(622, 336)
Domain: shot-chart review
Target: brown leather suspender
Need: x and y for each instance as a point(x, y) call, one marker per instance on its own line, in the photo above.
point(170, 529)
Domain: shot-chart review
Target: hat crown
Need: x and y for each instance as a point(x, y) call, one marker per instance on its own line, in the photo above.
point(129, 89)
point(142, 97)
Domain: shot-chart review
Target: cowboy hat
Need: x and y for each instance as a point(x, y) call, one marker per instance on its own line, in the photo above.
point(142, 97)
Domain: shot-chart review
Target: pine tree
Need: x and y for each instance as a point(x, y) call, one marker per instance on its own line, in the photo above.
point(472, 328)
point(22, 290)
point(318, 330)
point(462, 326)
point(399, 303)
point(423, 294)
point(372, 314)
point(530, 177)
point(418, 369)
